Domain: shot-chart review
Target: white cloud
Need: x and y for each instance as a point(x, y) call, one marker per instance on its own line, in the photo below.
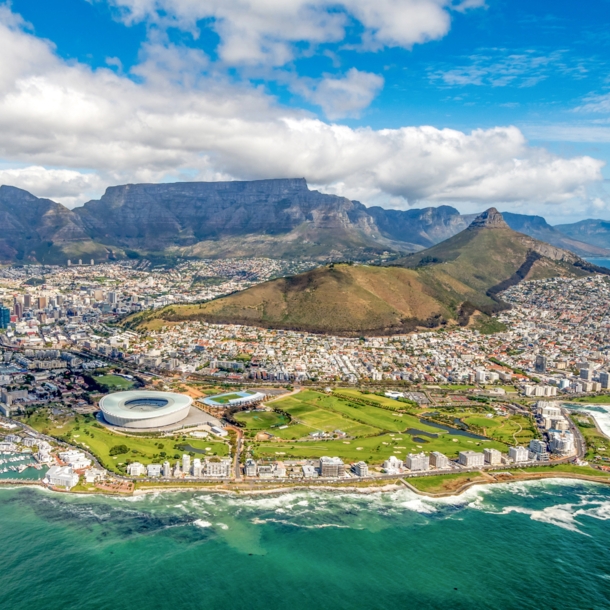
point(496, 68)
point(173, 123)
point(265, 31)
point(596, 103)
point(67, 186)
point(342, 97)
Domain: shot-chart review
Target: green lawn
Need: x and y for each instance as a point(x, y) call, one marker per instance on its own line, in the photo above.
point(382, 401)
point(115, 382)
point(597, 443)
point(261, 420)
point(373, 450)
point(224, 399)
point(510, 430)
point(442, 482)
point(100, 440)
point(604, 400)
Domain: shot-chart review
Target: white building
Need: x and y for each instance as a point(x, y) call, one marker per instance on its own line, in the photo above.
point(439, 460)
point(561, 442)
point(136, 469)
point(332, 467)
point(197, 468)
point(471, 459)
point(220, 468)
point(493, 457)
point(167, 469)
point(76, 459)
point(61, 476)
point(186, 463)
point(518, 454)
point(417, 462)
point(94, 474)
point(392, 465)
point(538, 450)
point(250, 469)
point(153, 470)
point(360, 469)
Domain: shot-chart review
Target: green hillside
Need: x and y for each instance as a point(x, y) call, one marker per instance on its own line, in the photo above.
point(446, 282)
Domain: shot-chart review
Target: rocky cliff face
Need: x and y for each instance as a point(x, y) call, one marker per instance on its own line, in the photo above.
point(155, 216)
point(490, 219)
point(31, 225)
point(278, 218)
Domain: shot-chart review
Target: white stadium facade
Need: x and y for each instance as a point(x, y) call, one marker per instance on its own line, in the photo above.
point(145, 409)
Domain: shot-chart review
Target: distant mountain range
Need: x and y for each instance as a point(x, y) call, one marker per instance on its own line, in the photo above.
point(275, 218)
point(443, 284)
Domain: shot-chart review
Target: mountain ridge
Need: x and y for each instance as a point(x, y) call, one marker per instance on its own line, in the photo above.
point(279, 218)
point(442, 284)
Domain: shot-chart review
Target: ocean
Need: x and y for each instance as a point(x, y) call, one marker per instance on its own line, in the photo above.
point(600, 262)
point(543, 544)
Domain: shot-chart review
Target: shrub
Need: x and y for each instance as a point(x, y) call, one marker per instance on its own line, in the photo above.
point(118, 449)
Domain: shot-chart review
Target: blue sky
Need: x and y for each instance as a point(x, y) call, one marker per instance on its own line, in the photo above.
point(393, 102)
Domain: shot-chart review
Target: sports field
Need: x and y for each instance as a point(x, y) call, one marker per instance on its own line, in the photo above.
point(261, 420)
point(115, 383)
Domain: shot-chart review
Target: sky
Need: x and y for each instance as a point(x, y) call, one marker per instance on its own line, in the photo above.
point(399, 103)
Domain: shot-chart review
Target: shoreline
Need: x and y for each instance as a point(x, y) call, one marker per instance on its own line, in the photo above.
point(391, 487)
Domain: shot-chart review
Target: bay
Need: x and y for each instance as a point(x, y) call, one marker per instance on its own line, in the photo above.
point(521, 545)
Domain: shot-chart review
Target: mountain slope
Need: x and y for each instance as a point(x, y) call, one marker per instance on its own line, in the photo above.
point(593, 231)
point(40, 230)
point(422, 289)
point(538, 228)
point(261, 217)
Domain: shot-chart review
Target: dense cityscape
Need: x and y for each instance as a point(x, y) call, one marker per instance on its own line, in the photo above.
point(62, 336)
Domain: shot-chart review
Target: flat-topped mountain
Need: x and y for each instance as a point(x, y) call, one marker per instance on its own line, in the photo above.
point(441, 284)
point(274, 218)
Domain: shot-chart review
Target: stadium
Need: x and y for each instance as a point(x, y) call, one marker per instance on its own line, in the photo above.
point(234, 399)
point(145, 409)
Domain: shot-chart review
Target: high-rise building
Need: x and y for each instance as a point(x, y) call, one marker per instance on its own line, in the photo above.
point(493, 457)
point(42, 302)
point(186, 463)
point(540, 363)
point(197, 468)
point(604, 379)
point(586, 374)
point(439, 460)
point(416, 462)
point(27, 301)
point(331, 467)
point(471, 459)
point(5, 316)
point(518, 454)
point(167, 469)
point(250, 468)
point(361, 469)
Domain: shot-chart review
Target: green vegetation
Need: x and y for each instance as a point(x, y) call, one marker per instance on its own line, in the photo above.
point(443, 482)
point(374, 433)
point(451, 280)
point(261, 420)
point(225, 398)
point(114, 383)
point(115, 450)
point(598, 445)
point(488, 325)
point(603, 399)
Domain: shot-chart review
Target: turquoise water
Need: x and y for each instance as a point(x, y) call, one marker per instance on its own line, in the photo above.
point(523, 545)
point(601, 262)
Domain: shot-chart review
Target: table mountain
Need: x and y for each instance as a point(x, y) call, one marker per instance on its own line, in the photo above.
point(275, 218)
